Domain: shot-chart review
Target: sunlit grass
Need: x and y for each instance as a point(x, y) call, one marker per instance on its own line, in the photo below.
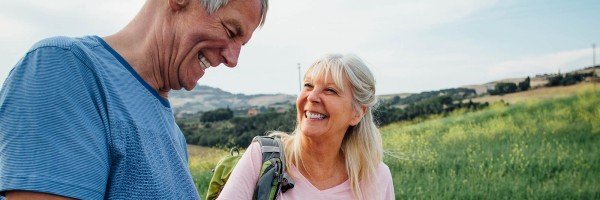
point(541, 150)
point(201, 162)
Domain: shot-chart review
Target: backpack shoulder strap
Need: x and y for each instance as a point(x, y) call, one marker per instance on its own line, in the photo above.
point(269, 146)
point(273, 176)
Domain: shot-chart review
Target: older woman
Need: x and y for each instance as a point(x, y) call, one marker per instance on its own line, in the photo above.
point(335, 151)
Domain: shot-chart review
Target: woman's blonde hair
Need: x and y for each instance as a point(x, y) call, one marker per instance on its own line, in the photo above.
point(361, 146)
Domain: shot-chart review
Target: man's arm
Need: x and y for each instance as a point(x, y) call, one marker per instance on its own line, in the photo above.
point(53, 131)
point(20, 194)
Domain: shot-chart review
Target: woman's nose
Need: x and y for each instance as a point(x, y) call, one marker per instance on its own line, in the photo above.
point(313, 96)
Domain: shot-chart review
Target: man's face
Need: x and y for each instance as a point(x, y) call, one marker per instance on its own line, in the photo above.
point(201, 40)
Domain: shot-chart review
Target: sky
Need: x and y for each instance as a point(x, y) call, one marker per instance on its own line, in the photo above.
point(410, 46)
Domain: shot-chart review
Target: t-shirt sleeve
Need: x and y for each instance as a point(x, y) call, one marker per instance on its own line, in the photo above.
point(386, 181)
point(53, 137)
point(242, 182)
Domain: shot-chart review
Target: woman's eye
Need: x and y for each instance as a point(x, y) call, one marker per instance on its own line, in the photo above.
point(308, 85)
point(331, 90)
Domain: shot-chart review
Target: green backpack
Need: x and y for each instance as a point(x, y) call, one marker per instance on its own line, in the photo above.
point(272, 176)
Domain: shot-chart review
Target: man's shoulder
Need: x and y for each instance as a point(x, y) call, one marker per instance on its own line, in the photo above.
point(75, 51)
point(66, 43)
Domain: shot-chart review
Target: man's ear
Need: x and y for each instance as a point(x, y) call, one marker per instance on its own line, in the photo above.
point(177, 5)
point(358, 115)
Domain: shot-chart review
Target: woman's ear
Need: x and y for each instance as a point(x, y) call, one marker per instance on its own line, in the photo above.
point(177, 5)
point(358, 115)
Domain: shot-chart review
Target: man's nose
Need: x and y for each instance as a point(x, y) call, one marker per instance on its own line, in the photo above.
point(231, 54)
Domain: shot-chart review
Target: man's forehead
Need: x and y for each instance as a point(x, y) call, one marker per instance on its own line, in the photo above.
point(250, 9)
point(245, 19)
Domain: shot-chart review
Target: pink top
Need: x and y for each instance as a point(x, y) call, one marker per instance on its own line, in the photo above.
point(242, 182)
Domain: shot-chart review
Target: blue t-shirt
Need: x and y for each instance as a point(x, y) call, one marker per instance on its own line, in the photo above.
point(76, 120)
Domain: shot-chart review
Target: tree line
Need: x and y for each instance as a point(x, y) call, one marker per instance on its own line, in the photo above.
point(553, 80)
point(226, 128)
point(568, 79)
point(222, 128)
point(387, 113)
point(506, 88)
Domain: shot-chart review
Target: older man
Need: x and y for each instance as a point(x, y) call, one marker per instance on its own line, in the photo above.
point(89, 118)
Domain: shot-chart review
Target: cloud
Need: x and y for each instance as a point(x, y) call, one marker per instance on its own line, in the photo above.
point(348, 23)
point(546, 63)
point(300, 31)
point(405, 41)
point(25, 22)
point(66, 17)
point(14, 29)
point(422, 15)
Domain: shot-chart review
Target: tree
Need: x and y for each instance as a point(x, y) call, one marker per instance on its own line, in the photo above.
point(217, 115)
point(395, 100)
point(555, 80)
point(568, 79)
point(385, 114)
point(525, 85)
point(503, 88)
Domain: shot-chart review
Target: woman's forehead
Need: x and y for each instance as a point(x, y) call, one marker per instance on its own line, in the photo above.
point(328, 73)
point(321, 78)
point(328, 80)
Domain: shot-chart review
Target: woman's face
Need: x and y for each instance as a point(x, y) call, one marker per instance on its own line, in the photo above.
point(324, 110)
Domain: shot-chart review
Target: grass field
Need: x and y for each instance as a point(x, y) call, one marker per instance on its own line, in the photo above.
point(202, 161)
point(535, 149)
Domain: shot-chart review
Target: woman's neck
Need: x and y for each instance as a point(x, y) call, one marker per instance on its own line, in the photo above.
point(322, 163)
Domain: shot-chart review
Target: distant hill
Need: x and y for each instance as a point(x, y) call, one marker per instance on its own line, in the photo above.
point(391, 96)
point(205, 98)
point(540, 93)
point(536, 81)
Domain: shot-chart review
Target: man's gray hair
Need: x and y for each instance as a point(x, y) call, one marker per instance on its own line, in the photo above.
point(212, 6)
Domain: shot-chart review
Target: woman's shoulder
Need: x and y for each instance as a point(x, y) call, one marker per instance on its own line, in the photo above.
point(255, 152)
point(382, 167)
point(383, 172)
point(384, 182)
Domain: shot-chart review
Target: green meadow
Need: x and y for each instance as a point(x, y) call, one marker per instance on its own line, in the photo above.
point(547, 149)
point(534, 150)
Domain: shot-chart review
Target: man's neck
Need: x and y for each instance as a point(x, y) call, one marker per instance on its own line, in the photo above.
point(137, 44)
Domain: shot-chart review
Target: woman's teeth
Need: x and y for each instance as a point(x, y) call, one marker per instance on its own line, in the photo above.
point(311, 115)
